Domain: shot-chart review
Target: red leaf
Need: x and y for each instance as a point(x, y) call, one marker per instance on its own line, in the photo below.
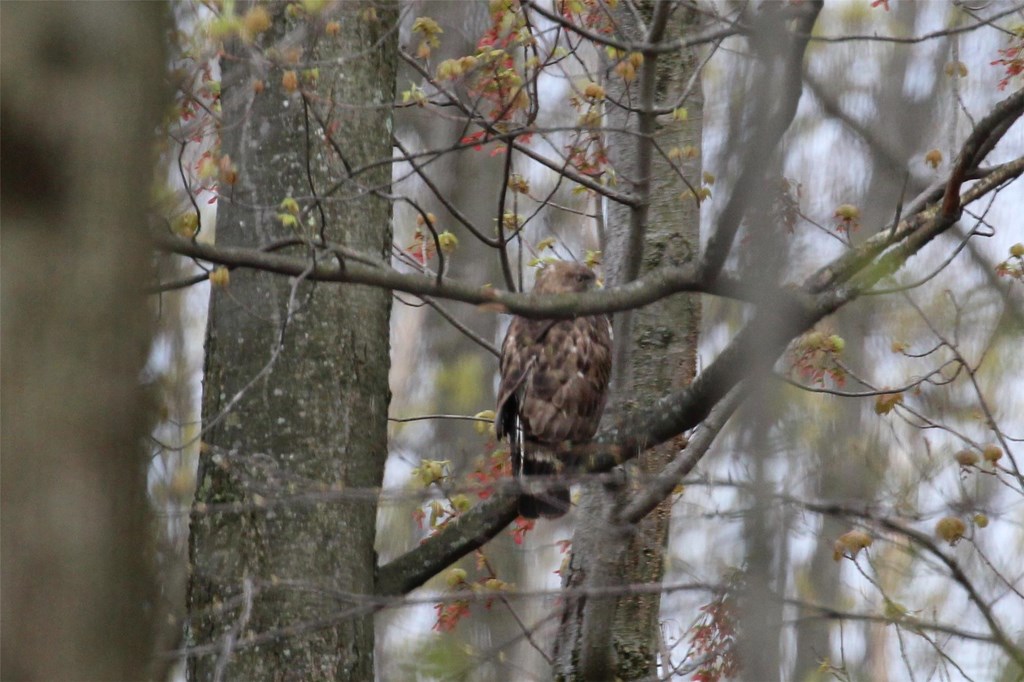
point(449, 615)
point(521, 528)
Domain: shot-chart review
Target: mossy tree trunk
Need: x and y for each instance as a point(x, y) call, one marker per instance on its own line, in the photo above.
point(274, 560)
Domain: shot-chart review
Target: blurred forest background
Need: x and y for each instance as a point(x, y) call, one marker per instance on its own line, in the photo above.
point(853, 510)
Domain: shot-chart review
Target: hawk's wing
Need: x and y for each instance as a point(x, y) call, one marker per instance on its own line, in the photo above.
point(518, 353)
point(554, 376)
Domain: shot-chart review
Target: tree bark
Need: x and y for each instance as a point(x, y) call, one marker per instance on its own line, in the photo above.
point(618, 637)
point(269, 574)
point(82, 94)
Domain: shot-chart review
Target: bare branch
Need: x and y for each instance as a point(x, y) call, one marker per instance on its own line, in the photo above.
point(667, 480)
point(921, 38)
point(766, 136)
point(655, 286)
point(460, 537)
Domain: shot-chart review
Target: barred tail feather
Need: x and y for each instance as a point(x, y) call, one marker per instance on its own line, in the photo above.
point(543, 497)
point(540, 498)
point(551, 504)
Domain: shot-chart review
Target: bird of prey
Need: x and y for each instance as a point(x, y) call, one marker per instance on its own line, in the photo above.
point(554, 381)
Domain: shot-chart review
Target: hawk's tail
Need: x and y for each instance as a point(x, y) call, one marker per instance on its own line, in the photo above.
point(551, 504)
point(545, 497)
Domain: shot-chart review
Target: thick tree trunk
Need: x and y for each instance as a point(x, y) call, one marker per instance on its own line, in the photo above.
point(82, 95)
point(617, 638)
point(269, 577)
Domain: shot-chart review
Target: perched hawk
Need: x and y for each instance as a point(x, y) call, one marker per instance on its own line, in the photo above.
point(554, 376)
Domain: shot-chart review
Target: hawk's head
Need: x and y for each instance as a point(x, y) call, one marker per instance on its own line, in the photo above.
point(562, 277)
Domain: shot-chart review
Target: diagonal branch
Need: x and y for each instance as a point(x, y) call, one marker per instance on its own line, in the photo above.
point(984, 137)
point(465, 534)
point(765, 137)
point(667, 480)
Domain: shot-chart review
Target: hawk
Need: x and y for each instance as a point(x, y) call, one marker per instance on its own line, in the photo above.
point(554, 380)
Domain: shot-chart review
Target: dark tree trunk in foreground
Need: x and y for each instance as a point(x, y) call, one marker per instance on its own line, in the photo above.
point(82, 94)
point(270, 573)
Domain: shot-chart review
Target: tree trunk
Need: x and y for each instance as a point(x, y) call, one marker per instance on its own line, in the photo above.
point(273, 558)
point(618, 637)
point(82, 94)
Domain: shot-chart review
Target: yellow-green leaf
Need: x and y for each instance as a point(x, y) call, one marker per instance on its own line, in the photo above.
point(448, 241)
